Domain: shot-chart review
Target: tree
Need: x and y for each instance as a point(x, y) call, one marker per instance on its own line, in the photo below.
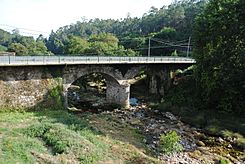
point(5, 38)
point(18, 48)
point(76, 45)
point(106, 44)
point(37, 48)
point(107, 38)
point(3, 48)
point(219, 52)
point(56, 42)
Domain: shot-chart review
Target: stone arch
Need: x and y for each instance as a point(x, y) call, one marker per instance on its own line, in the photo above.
point(134, 71)
point(116, 92)
point(71, 74)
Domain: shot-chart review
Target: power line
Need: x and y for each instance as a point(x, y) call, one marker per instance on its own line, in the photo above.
point(26, 29)
point(136, 49)
point(170, 44)
point(21, 32)
point(180, 41)
point(126, 40)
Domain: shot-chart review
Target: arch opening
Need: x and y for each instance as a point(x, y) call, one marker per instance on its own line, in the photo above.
point(89, 92)
point(139, 91)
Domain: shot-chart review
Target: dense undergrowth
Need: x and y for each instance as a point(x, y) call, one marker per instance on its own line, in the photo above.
point(183, 100)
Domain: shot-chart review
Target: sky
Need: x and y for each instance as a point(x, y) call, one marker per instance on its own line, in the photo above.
point(33, 17)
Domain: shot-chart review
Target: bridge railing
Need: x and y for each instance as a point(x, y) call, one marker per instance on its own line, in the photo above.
point(61, 60)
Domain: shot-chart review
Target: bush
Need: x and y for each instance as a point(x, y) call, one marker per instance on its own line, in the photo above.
point(169, 143)
point(57, 136)
point(223, 161)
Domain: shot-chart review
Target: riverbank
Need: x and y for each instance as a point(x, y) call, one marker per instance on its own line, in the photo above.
point(199, 147)
point(61, 137)
point(115, 136)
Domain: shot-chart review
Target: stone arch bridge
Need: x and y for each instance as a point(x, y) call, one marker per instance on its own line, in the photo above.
point(43, 81)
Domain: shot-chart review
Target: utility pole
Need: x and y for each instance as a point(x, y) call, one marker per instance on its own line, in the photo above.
point(188, 48)
point(149, 47)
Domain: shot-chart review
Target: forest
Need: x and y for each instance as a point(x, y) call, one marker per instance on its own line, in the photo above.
point(169, 29)
point(212, 32)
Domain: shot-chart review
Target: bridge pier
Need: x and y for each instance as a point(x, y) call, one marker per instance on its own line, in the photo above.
point(159, 81)
point(65, 95)
point(118, 93)
point(153, 85)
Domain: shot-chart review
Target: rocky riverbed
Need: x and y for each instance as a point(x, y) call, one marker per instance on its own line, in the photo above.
point(198, 147)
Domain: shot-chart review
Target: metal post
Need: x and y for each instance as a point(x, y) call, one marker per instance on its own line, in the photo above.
point(188, 48)
point(149, 47)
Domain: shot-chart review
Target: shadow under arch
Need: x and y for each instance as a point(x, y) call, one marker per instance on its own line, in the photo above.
point(118, 80)
point(139, 88)
point(92, 91)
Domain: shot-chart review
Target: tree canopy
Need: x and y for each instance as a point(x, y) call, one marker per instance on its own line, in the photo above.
point(129, 35)
point(220, 54)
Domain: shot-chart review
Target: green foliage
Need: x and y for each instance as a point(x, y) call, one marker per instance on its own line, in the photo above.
point(17, 148)
point(167, 33)
point(174, 22)
point(223, 161)
point(219, 52)
point(18, 48)
point(57, 136)
point(37, 130)
point(23, 45)
point(3, 48)
point(71, 135)
point(51, 136)
point(5, 38)
point(104, 44)
point(240, 139)
point(185, 92)
point(126, 37)
point(170, 143)
point(56, 97)
point(38, 48)
point(76, 45)
point(114, 37)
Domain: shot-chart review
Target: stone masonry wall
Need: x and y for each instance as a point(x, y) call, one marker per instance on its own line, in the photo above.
point(27, 87)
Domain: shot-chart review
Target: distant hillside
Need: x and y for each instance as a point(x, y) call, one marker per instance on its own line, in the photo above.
point(169, 27)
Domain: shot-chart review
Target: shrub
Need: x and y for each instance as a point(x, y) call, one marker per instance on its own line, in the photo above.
point(223, 161)
point(169, 143)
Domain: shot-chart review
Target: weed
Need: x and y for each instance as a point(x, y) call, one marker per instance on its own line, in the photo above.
point(223, 161)
point(16, 148)
point(55, 97)
point(170, 143)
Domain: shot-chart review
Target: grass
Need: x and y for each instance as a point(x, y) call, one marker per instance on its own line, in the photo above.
point(55, 136)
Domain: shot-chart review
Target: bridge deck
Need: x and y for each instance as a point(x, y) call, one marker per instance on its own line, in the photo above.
point(71, 60)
